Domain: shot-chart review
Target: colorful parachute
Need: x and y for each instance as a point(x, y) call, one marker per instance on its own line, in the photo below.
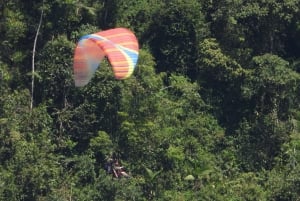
point(119, 45)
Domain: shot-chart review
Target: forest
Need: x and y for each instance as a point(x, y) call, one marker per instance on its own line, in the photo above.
point(211, 112)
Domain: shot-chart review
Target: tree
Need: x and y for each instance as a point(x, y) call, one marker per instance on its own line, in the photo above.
point(26, 149)
point(221, 76)
point(269, 86)
point(177, 28)
point(283, 178)
point(54, 69)
point(253, 28)
point(137, 15)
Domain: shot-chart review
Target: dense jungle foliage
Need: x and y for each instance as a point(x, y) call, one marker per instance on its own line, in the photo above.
point(212, 111)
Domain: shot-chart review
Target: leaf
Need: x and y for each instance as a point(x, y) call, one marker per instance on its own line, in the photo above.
point(152, 175)
point(189, 178)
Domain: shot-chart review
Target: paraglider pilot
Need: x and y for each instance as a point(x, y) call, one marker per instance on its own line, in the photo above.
point(113, 167)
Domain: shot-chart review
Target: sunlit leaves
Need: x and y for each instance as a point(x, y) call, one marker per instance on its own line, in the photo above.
point(271, 79)
point(214, 62)
point(15, 25)
point(102, 144)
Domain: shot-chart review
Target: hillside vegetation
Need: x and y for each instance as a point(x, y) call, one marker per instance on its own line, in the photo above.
point(212, 111)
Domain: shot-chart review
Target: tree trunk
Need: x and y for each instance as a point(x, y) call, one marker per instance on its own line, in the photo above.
point(33, 56)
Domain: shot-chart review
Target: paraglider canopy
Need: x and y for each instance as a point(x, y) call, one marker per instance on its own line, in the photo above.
point(119, 45)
